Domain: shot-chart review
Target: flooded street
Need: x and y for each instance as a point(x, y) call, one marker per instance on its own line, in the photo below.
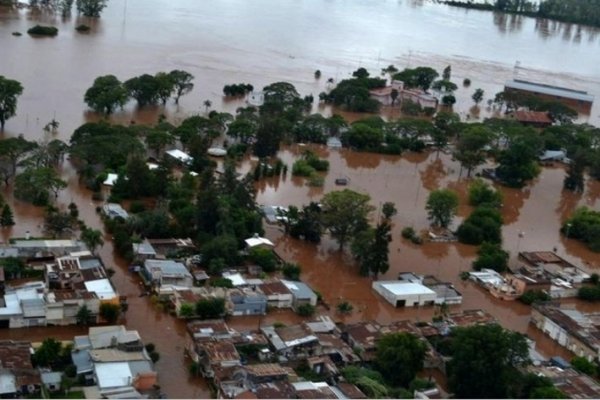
point(232, 41)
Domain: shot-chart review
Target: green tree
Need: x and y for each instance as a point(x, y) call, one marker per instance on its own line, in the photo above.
point(491, 256)
point(110, 312)
point(91, 8)
point(394, 95)
point(398, 357)
point(84, 316)
point(305, 310)
point(477, 352)
point(14, 150)
point(186, 310)
point(421, 77)
point(518, 163)
point(480, 193)
point(106, 95)
point(371, 249)
point(388, 209)
point(6, 218)
point(470, 147)
point(441, 207)
point(483, 225)
point(165, 86)
point(92, 239)
point(447, 73)
point(144, 89)
point(48, 354)
point(344, 214)
point(477, 96)
point(548, 392)
point(210, 308)
point(182, 81)
point(35, 185)
point(291, 271)
point(10, 90)
point(582, 365)
point(157, 140)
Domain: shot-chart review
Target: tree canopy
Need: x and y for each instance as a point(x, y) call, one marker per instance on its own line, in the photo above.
point(106, 95)
point(10, 90)
point(441, 207)
point(398, 357)
point(345, 214)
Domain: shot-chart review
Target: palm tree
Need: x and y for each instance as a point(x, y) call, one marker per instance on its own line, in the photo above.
point(207, 104)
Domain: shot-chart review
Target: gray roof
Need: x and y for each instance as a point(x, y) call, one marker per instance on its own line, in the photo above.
point(82, 361)
point(88, 263)
point(167, 267)
point(299, 289)
point(140, 367)
point(82, 342)
point(144, 248)
point(33, 308)
point(550, 90)
point(8, 252)
point(50, 378)
point(113, 210)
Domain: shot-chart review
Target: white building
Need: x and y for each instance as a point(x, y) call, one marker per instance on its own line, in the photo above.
point(180, 156)
point(404, 293)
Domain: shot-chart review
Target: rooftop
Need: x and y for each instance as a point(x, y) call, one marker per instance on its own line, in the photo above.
point(180, 155)
point(403, 288)
point(167, 268)
point(276, 287)
point(102, 287)
point(471, 317)
point(549, 90)
point(106, 336)
point(300, 290)
point(113, 375)
point(537, 117)
point(264, 370)
point(15, 355)
point(584, 326)
point(258, 241)
point(221, 351)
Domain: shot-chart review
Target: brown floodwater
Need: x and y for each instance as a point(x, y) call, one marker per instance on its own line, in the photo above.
point(223, 42)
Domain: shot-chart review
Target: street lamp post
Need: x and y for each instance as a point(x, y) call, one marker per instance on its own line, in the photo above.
point(520, 235)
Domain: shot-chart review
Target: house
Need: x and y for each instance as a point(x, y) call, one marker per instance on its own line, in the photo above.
point(208, 330)
point(103, 289)
point(417, 96)
point(51, 380)
point(316, 390)
point(496, 284)
point(110, 179)
point(577, 99)
point(114, 210)
point(467, 318)
point(17, 375)
point(247, 302)
point(350, 391)
point(62, 306)
point(295, 341)
point(144, 251)
point(35, 249)
point(576, 331)
point(115, 359)
point(256, 98)
point(545, 270)
point(236, 278)
point(180, 156)
point(405, 293)
point(301, 293)
point(536, 119)
point(572, 383)
point(167, 275)
point(278, 294)
point(217, 354)
point(554, 155)
point(384, 95)
point(336, 349)
point(258, 242)
point(165, 248)
point(23, 306)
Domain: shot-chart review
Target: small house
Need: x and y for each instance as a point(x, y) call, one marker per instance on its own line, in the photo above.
point(167, 275)
point(180, 156)
point(278, 294)
point(114, 210)
point(301, 293)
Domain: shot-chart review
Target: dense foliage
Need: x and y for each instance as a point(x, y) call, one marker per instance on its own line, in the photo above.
point(483, 225)
point(584, 225)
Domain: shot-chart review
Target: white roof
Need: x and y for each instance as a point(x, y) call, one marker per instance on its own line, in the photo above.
point(488, 276)
point(102, 288)
point(8, 383)
point(111, 179)
point(401, 288)
point(259, 241)
point(114, 374)
point(236, 279)
point(550, 90)
point(217, 151)
point(11, 305)
point(553, 154)
point(180, 155)
point(152, 166)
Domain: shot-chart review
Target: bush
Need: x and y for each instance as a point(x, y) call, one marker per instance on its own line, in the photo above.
point(480, 193)
point(291, 271)
point(154, 356)
point(582, 365)
point(150, 347)
point(584, 225)
point(408, 232)
point(534, 296)
point(302, 168)
point(589, 293)
point(466, 82)
point(483, 225)
point(40, 30)
point(137, 207)
point(345, 307)
point(305, 310)
point(82, 28)
point(264, 258)
point(222, 282)
point(316, 181)
point(491, 256)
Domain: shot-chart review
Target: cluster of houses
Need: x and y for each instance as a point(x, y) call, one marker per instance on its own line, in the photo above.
point(110, 362)
point(536, 270)
point(72, 278)
point(266, 363)
point(384, 95)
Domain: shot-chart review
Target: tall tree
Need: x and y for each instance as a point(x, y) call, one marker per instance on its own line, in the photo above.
point(183, 83)
point(371, 249)
point(518, 163)
point(106, 95)
point(36, 184)
point(398, 357)
point(441, 207)
point(144, 89)
point(477, 96)
point(345, 214)
point(10, 90)
point(165, 86)
point(470, 149)
point(92, 239)
point(110, 312)
point(91, 8)
point(6, 218)
point(14, 150)
point(484, 361)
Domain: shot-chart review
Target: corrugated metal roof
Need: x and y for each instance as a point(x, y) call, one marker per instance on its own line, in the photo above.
point(550, 90)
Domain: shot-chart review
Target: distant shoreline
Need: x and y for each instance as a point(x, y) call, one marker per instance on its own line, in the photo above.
point(531, 14)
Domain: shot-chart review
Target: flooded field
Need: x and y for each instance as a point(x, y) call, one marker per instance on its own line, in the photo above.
point(231, 41)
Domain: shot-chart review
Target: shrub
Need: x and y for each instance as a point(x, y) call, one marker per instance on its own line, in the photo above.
point(316, 181)
point(222, 282)
point(589, 293)
point(291, 271)
point(305, 310)
point(534, 296)
point(264, 258)
point(302, 168)
point(345, 307)
point(466, 82)
point(491, 256)
point(408, 232)
point(480, 193)
point(82, 28)
point(40, 30)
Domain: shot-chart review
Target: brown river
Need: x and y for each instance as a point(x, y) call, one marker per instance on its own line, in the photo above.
point(230, 41)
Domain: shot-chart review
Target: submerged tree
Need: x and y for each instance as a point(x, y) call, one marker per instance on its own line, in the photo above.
point(441, 207)
point(345, 214)
point(182, 81)
point(9, 91)
point(106, 95)
point(91, 8)
point(6, 218)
